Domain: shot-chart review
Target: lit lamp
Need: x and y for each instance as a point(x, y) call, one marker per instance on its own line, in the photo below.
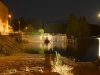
point(10, 19)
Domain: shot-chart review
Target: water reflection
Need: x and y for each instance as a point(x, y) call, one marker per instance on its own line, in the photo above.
point(99, 47)
point(83, 50)
point(43, 46)
point(83, 46)
point(87, 49)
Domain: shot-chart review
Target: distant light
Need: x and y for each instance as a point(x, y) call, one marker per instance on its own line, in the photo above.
point(9, 15)
point(26, 28)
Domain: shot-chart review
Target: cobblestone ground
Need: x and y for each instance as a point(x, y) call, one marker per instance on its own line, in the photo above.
point(26, 65)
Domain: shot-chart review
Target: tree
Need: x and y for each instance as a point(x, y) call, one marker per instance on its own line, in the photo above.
point(35, 23)
point(27, 22)
point(15, 25)
point(22, 23)
point(40, 24)
point(55, 28)
point(84, 26)
point(77, 27)
point(31, 28)
point(72, 26)
point(41, 31)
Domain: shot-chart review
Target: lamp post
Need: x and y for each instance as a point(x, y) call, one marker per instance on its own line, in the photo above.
point(10, 19)
point(19, 25)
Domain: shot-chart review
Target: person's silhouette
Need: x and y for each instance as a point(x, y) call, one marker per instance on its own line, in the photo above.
point(46, 41)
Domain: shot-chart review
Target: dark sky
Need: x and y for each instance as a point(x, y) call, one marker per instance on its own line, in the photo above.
point(54, 10)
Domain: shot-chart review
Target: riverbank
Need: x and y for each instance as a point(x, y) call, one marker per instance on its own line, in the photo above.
point(8, 45)
point(40, 64)
point(21, 63)
point(26, 64)
point(83, 68)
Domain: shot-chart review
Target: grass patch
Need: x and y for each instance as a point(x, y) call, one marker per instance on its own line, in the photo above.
point(32, 33)
point(34, 51)
point(60, 68)
point(24, 41)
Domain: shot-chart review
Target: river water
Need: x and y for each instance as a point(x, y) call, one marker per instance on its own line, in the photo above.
point(86, 49)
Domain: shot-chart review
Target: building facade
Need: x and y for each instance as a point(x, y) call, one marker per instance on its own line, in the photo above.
point(3, 18)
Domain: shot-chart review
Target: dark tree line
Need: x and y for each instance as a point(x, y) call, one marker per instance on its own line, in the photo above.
point(73, 26)
point(35, 23)
point(55, 28)
point(77, 27)
point(95, 29)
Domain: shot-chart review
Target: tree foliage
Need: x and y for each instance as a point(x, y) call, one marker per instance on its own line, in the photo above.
point(72, 25)
point(84, 26)
point(30, 28)
point(41, 31)
point(37, 24)
point(77, 27)
point(55, 28)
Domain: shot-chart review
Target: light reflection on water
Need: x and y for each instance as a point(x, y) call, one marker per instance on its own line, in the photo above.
point(99, 47)
point(84, 50)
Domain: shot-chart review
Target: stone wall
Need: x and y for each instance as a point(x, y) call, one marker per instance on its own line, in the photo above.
point(35, 38)
point(8, 45)
point(42, 38)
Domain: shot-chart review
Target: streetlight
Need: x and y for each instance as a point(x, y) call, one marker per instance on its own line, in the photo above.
point(10, 19)
point(19, 25)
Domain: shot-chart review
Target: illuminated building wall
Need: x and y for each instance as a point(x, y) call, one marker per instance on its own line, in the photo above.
point(3, 17)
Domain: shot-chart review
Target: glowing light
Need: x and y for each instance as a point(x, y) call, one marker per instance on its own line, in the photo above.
point(26, 28)
point(9, 15)
point(99, 15)
point(99, 47)
point(40, 37)
point(10, 19)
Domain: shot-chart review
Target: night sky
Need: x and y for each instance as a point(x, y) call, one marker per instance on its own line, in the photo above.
point(54, 10)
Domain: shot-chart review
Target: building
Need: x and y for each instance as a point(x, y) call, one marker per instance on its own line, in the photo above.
point(3, 18)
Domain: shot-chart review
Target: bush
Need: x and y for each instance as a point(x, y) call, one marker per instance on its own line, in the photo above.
point(34, 51)
point(60, 68)
point(41, 31)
